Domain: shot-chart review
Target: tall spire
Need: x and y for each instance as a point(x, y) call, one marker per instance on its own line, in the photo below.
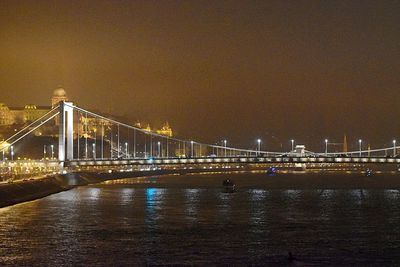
point(345, 143)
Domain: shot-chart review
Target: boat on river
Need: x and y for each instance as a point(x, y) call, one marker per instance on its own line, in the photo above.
point(228, 186)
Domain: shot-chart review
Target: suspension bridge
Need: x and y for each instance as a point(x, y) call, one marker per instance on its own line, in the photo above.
point(90, 140)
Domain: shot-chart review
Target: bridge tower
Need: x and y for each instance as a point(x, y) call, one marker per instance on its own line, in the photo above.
point(66, 132)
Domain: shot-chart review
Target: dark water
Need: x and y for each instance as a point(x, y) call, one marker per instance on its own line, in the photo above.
point(187, 220)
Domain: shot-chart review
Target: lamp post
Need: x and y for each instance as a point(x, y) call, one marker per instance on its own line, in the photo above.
point(225, 148)
point(326, 147)
point(360, 146)
point(126, 149)
point(94, 150)
point(259, 146)
point(12, 153)
point(191, 148)
point(292, 144)
point(159, 148)
point(44, 152)
point(52, 151)
point(394, 148)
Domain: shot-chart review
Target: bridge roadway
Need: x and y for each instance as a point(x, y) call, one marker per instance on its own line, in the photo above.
point(231, 160)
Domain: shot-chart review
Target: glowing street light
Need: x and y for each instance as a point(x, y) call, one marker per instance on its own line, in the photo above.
point(94, 150)
point(126, 149)
point(360, 146)
point(52, 151)
point(292, 144)
point(225, 147)
point(326, 147)
point(258, 146)
point(44, 151)
point(12, 153)
point(191, 148)
point(159, 148)
point(394, 148)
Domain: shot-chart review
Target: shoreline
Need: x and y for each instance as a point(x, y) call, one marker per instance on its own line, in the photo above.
point(19, 192)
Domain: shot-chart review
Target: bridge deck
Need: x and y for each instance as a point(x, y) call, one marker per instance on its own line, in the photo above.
point(227, 160)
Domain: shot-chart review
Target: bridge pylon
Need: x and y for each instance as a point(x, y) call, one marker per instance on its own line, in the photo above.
point(66, 132)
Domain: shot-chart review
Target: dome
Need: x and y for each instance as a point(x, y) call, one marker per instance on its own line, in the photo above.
point(3, 106)
point(59, 92)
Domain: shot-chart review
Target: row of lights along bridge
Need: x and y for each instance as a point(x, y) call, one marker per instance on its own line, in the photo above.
point(259, 142)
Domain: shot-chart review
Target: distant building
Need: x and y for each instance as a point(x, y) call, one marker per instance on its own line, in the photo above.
point(165, 130)
point(30, 112)
point(58, 95)
point(148, 129)
point(88, 126)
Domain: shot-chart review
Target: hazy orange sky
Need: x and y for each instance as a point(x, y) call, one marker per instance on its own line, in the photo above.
point(238, 70)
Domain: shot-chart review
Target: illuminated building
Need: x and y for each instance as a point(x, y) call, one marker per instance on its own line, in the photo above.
point(148, 129)
point(30, 112)
point(58, 95)
point(165, 130)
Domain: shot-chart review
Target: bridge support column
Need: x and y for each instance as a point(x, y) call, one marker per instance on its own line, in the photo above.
point(66, 132)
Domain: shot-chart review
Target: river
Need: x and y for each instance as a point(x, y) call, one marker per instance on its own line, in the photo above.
point(188, 220)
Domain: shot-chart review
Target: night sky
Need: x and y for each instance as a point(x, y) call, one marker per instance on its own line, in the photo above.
point(235, 70)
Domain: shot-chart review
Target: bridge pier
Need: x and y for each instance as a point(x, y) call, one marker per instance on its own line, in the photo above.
point(66, 132)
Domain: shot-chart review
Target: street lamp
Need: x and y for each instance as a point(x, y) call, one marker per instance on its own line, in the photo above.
point(126, 149)
point(259, 146)
point(52, 151)
point(394, 148)
point(191, 148)
point(326, 147)
point(12, 153)
point(225, 148)
point(159, 148)
point(360, 145)
point(292, 144)
point(94, 150)
point(44, 152)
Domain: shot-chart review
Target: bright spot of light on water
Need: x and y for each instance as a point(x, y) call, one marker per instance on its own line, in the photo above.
point(257, 194)
point(155, 198)
point(391, 194)
point(292, 193)
point(127, 195)
point(191, 202)
point(94, 193)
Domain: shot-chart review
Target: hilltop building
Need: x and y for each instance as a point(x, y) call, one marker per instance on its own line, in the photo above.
point(165, 130)
point(30, 112)
point(88, 126)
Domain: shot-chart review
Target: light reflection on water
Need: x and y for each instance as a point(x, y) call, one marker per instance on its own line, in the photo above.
point(191, 203)
point(122, 224)
point(127, 195)
point(154, 202)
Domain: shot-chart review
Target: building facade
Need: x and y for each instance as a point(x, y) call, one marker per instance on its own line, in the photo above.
point(28, 113)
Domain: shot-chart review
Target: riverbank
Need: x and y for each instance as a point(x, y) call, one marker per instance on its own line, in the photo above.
point(22, 191)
